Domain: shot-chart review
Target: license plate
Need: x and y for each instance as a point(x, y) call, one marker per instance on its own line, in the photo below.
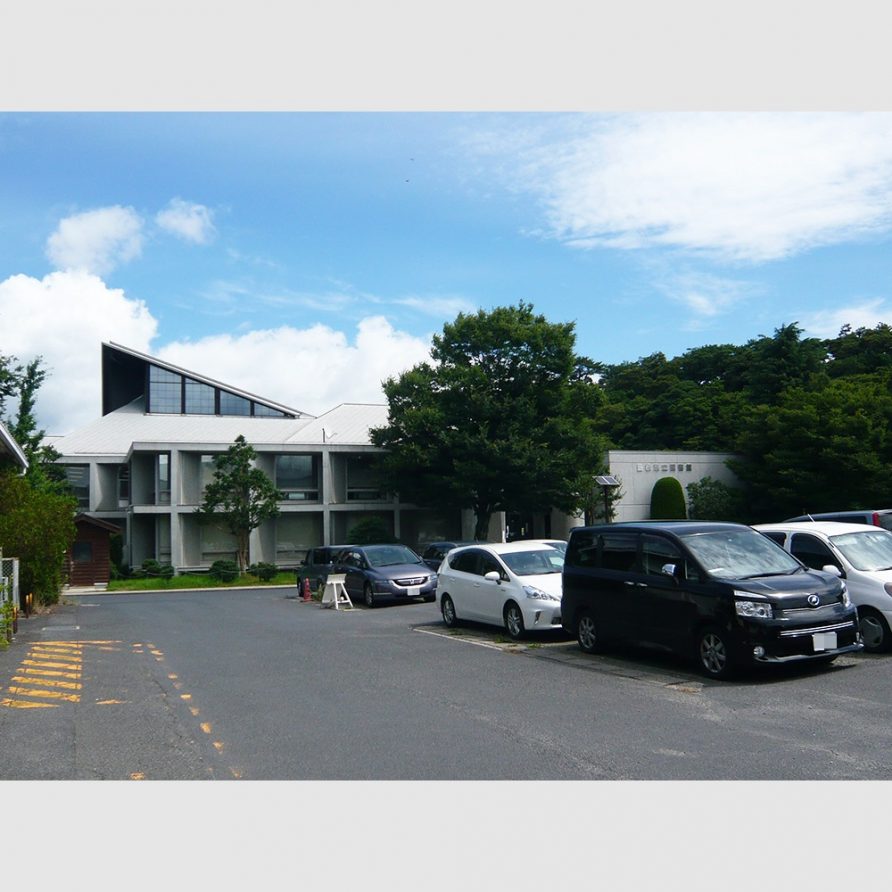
point(824, 641)
point(413, 591)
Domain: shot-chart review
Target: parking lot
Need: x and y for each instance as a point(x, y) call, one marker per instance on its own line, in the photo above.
point(253, 684)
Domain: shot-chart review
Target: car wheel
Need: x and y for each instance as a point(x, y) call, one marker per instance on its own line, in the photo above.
point(368, 595)
point(513, 621)
point(874, 632)
point(587, 634)
point(447, 608)
point(714, 653)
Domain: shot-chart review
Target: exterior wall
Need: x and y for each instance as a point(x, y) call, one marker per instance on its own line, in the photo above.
point(639, 471)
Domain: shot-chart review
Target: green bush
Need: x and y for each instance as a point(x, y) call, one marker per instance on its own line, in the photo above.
point(152, 569)
point(225, 571)
point(370, 531)
point(667, 500)
point(713, 500)
point(263, 571)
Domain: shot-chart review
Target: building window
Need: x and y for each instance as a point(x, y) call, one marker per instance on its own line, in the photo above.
point(165, 391)
point(123, 486)
point(162, 483)
point(79, 481)
point(200, 398)
point(206, 472)
point(267, 412)
point(362, 482)
point(82, 552)
point(297, 477)
point(230, 404)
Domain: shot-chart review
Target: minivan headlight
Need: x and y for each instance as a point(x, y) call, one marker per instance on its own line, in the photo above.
point(537, 594)
point(754, 609)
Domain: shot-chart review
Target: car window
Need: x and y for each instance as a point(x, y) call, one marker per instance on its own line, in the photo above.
point(582, 550)
point(464, 561)
point(866, 550)
point(532, 563)
point(739, 554)
point(812, 551)
point(352, 559)
point(657, 551)
point(618, 551)
point(488, 563)
point(775, 536)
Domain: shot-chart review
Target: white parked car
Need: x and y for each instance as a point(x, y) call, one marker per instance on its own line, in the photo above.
point(861, 554)
point(512, 584)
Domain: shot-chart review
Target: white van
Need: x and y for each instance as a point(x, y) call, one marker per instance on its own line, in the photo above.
point(861, 554)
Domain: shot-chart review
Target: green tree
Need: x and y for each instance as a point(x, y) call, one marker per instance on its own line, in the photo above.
point(369, 531)
point(240, 497)
point(502, 419)
point(37, 527)
point(710, 499)
point(667, 500)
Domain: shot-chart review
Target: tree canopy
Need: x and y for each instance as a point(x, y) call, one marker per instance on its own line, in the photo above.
point(501, 419)
point(240, 496)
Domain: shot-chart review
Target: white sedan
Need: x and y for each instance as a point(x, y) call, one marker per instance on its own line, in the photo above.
point(512, 584)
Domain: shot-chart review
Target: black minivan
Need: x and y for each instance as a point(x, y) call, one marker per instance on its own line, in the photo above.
point(720, 592)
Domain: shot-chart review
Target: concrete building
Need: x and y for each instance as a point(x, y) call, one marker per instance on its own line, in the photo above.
point(143, 466)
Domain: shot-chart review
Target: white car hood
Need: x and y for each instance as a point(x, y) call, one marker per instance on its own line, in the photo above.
point(548, 582)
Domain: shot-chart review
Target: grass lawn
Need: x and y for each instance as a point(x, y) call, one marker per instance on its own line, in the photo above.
point(197, 581)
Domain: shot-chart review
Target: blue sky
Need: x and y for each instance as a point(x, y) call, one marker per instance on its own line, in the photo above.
point(306, 255)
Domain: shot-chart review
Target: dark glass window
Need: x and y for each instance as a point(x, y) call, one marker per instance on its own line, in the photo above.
point(267, 412)
point(362, 480)
point(165, 391)
point(297, 477)
point(618, 551)
point(79, 481)
point(82, 552)
point(199, 398)
point(811, 551)
point(230, 404)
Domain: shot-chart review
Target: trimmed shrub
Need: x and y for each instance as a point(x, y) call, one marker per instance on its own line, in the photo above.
point(713, 500)
point(667, 500)
point(263, 571)
point(152, 569)
point(370, 531)
point(225, 571)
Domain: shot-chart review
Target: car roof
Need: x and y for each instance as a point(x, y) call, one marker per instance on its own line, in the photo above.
point(849, 512)
point(670, 526)
point(509, 547)
point(827, 527)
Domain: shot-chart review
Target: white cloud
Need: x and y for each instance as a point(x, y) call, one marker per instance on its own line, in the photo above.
point(64, 318)
point(827, 323)
point(187, 220)
point(706, 296)
point(96, 241)
point(441, 307)
point(312, 369)
point(743, 187)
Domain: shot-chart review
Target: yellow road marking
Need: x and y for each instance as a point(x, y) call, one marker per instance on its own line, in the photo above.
point(218, 745)
point(185, 696)
point(24, 704)
point(206, 727)
point(137, 775)
point(55, 695)
point(49, 682)
point(194, 710)
point(46, 665)
point(51, 673)
point(110, 702)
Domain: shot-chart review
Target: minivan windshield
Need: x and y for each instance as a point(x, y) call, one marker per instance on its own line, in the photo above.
point(868, 550)
point(740, 554)
point(388, 555)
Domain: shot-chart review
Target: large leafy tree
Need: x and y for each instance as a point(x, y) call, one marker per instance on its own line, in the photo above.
point(240, 497)
point(502, 418)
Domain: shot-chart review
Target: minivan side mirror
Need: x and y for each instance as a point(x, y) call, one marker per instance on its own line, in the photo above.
point(669, 570)
point(493, 576)
point(834, 570)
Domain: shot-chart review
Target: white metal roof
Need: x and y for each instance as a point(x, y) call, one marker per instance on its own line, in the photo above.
point(9, 446)
point(114, 434)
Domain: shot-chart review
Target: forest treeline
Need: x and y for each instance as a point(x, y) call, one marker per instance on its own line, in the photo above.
point(810, 419)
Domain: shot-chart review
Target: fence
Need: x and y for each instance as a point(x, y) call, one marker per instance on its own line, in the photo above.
point(9, 595)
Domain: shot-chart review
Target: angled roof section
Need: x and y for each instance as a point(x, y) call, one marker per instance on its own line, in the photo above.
point(346, 425)
point(10, 449)
point(124, 376)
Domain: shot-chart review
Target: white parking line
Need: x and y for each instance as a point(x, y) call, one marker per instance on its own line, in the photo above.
point(459, 638)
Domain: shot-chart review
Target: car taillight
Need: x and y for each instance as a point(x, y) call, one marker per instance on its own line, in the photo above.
point(876, 519)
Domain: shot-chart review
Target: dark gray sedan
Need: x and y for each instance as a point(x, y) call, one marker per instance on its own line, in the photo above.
point(378, 573)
